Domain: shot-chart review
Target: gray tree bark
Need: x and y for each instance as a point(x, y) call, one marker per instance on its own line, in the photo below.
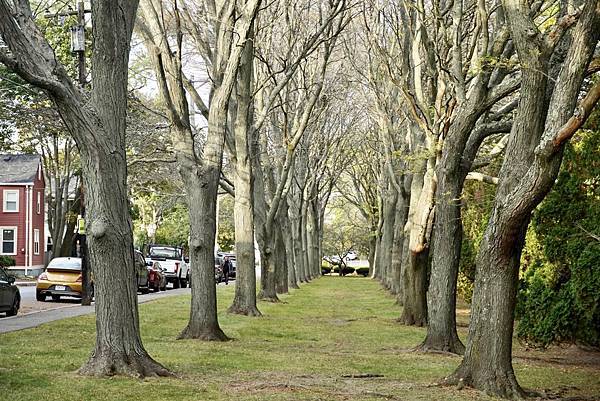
point(98, 126)
point(531, 165)
point(244, 301)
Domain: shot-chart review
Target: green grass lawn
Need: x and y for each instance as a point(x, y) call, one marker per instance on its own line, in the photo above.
point(300, 350)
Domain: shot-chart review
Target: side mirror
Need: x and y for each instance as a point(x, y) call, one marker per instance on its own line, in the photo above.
point(11, 280)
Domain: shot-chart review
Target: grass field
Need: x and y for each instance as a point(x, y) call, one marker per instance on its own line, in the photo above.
point(306, 348)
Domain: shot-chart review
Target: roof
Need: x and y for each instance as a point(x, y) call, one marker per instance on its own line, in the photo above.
point(18, 168)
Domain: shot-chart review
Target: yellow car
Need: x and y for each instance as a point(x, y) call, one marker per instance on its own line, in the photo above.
point(61, 278)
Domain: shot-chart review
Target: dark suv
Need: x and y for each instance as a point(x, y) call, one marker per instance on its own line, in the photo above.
point(10, 297)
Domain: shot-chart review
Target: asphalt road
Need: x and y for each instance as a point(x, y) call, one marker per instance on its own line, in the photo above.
point(34, 313)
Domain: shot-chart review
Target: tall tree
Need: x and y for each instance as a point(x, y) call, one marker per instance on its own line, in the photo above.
point(200, 169)
point(545, 120)
point(97, 123)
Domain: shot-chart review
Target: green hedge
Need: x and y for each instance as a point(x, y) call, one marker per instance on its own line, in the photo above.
point(362, 271)
point(6, 261)
point(347, 270)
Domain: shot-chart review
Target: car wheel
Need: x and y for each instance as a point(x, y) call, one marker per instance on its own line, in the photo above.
point(15, 307)
point(56, 297)
point(156, 287)
point(40, 297)
point(145, 290)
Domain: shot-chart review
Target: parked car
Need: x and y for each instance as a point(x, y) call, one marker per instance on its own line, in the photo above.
point(351, 255)
point(175, 265)
point(141, 273)
point(157, 280)
point(10, 297)
point(62, 277)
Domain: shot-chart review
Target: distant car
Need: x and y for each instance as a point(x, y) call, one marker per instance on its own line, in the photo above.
point(62, 277)
point(10, 297)
point(141, 273)
point(156, 278)
point(175, 265)
point(351, 255)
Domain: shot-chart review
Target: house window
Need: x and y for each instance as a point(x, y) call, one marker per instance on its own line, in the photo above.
point(11, 201)
point(39, 202)
point(36, 242)
point(8, 240)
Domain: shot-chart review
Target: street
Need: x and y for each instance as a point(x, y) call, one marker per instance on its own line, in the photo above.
point(34, 313)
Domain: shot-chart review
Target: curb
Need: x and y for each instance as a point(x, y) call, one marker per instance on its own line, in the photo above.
point(25, 283)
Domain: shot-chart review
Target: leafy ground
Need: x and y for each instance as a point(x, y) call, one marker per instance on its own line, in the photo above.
point(313, 346)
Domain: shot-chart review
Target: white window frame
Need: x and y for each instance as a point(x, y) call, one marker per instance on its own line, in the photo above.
point(39, 202)
point(14, 241)
point(36, 242)
point(5, 201)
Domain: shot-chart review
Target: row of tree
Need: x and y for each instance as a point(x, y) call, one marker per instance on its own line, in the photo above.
point(391, 105)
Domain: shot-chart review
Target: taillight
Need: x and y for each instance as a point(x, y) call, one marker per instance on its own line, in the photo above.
point(79, 279)
point(43, 277)
point(151, 276)
point(176, 267)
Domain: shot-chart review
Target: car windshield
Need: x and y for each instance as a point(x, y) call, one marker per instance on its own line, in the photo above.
point(167, 253)
point(65, 264)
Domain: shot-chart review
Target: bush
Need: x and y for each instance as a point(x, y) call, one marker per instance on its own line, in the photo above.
point(325, 268)
point(6, 261)
point(362, 271)
point(559, 297)
point(347, 270)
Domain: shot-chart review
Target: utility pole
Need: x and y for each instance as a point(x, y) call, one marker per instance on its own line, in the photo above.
point(77, 37)
point(80, 239)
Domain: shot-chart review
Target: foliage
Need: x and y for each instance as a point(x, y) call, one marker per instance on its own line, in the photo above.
point(345, 230)
point(6, 261)
point(477, 198)
point(175, 228)
point(362, 271)
point(559, 298)
point(226, 229)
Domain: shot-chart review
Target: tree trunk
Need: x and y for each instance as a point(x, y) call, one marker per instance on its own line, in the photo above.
point(416, 253)
point(447, 239)
point(529, 170)
point(202, 196)
point(281, 271)
point(372, 248)
point(244, 301)
point(384, 262)
point(398, 244)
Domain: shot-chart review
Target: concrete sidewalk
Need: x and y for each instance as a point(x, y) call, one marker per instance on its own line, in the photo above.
point(35, 319)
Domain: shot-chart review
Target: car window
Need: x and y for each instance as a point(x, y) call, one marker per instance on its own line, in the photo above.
point(65, 264)
point(167, 253)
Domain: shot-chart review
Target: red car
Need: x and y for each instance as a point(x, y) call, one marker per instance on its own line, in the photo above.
point(157, 281)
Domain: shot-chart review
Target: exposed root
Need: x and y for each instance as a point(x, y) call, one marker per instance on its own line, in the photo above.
point(268, 298)
point(212, 334)
point(251, 311)
point(106, 363)
point(500, 384)
point(451, 346)
point(410, 320)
